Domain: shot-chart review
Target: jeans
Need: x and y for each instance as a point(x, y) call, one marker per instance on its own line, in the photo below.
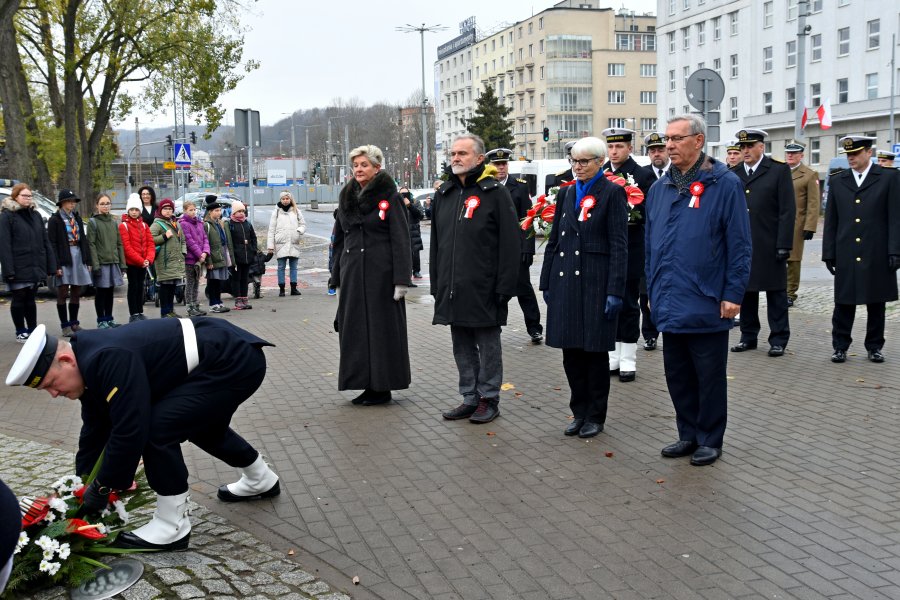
point(479, 360)
point(293, 264)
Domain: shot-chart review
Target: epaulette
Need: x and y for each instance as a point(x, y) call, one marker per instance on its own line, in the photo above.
point(563, 172)
point(836, 171)
point(521, 180)
point(888, 166)
point(488, 183)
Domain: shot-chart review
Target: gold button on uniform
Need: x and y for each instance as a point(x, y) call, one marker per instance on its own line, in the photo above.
point(857, 219)
point(858, 259)
point(857, 240)
point(857, 200)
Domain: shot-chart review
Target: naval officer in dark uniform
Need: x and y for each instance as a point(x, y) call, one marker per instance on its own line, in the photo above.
point(861, 245)
point(885, 158)
point(769, 191)
point(624, 358)
point(145, 389)
point(518, 190)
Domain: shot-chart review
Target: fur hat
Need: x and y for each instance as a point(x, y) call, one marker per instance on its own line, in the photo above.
point(134, 201)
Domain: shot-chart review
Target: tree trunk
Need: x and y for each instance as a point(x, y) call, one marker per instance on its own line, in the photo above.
point(10, 67)
point(72, 98)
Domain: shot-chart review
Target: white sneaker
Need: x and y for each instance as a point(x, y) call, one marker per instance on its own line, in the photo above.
point(22, 337)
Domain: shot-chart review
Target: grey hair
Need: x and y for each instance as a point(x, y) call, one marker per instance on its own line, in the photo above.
point(591, 146)
point(479, 143)
point(698, 125)
point(373, 153)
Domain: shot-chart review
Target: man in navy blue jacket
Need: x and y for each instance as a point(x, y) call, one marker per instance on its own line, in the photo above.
point(697, 253)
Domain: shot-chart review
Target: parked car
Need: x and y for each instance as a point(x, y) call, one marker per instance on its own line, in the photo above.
point(200, 199)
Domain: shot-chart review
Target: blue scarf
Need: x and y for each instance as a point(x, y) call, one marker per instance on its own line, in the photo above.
point(581, 188)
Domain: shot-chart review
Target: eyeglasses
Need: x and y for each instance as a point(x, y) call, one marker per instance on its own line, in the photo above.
point(582, 162)
point(677, 138)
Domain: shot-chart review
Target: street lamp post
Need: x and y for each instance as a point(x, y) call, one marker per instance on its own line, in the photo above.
point(422, 29)
point(294, 156)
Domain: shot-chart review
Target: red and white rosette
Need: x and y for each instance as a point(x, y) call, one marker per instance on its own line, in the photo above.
point(696, 189)
point(382, 209)
point(472, 202)
point(587, 203)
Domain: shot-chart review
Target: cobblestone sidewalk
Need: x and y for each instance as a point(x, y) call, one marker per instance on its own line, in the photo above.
point(223, 562)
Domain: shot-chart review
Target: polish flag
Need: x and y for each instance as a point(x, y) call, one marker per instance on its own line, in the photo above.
point(804, 118)
point(418, 160)
point(824, 114)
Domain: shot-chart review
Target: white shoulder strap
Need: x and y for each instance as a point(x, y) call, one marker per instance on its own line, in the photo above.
point(191, 350)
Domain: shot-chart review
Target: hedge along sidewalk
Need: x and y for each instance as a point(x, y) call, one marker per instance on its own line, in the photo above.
point(223, 561)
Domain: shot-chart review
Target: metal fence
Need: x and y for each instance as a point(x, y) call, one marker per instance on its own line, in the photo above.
point(305, 195)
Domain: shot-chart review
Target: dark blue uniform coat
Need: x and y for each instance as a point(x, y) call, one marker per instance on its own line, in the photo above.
point(584, 261)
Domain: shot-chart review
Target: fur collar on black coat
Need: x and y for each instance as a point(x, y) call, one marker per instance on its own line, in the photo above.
point(355, 199)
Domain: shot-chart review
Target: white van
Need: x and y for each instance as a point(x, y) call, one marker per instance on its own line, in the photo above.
point(535, 171)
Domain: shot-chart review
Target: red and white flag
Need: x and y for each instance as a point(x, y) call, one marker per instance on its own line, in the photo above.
point(804, 118)
point(824, 114)
point(418, 160)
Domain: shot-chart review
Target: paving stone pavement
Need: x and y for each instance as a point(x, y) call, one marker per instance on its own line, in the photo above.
point(805, 502)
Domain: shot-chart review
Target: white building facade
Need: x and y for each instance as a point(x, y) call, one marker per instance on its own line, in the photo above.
point(753, 45)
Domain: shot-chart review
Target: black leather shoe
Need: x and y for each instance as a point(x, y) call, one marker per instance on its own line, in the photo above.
point(463, 411)
point(127, 539)
point(679, 449)
point(626, 376)
point(376, 398)
point(590, 429)
point(574, 427)
point(226, 496)
point(776, 351)
point(536, 337)
point(743, 346)
point(650, 344)
point(361, 398)
point(705, 456)
point(876, 356)
point(839, 356)
point(411, 284)
point(486, 412)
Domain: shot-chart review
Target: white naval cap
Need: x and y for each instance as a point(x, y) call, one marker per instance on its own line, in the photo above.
point(34, 359)
point(617, 134)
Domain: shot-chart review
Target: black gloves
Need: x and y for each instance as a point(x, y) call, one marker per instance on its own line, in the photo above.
point(829, 264)
point(613, 306)
point(782, 254)
point(96, 498)
point(894, 261)
point(808, 235)
point(527, 259)
point(546, 296)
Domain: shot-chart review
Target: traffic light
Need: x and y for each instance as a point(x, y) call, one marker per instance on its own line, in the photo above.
point(193, 138)
point(131, 180)
point(190, 178)
point(546, 134)
point(168, 140)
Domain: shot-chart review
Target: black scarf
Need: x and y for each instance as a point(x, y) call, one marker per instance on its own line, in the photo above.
point(684, 181)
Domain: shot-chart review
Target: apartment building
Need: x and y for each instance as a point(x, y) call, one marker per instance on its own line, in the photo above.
point(574, 68)
point(753, 45)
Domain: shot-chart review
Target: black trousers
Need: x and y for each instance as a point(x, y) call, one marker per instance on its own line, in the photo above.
point(416, 261)
point(588, 375)
point(527, 299)
point(199, 411)
point(696, 368)
point(648, 327)
point(776, 311)
point(630, 317)
point(243, 279)
point(842, 323)
point(135, 296)
point(103, 303)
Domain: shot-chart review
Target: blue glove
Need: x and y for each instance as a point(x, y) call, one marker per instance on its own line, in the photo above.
point(546, 296)
point(613, 306)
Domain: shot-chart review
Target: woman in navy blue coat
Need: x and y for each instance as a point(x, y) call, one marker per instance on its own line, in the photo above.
point(583, 279)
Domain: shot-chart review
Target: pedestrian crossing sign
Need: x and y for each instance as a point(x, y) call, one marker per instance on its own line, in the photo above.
point(183, 155)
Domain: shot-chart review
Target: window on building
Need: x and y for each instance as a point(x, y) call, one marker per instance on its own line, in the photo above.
point(618, 123)
point(541, 47)
point(767, 102)
point(717, 65)
point(701, 65)
point(733, 22)
point(615, 69)
point(843, 90)
point(843, 41)
point(843, 2)
point(873, 28)
point(767, 59)
point(521, 29)
point(734, 66)
point(648, 124)
point(648, 97)
point(815, 47)
point(672, 112)
point(521, 54)
point(542, 99)
point(530, 50)
point(569, 46)
point(871, 86)
point(791, 54)
point(542, 73)
point(768, 14)
point(792, 10)
point(733, 108)
point(616, 96)
point(815, 154)
point(648, 70)
point(815, 6)
point(530, 100)
point(476, 72)
point(815, 94)
point(685, 38)
point(701, 33)
point(672, 80)
point(790, 98)
point(672, 6)
point(530, 28)
point(717, 28)
point(687, 4)
point(685, 74)
point(541, 23)
point(685, 109)
point(671, 38)
point(530, 74)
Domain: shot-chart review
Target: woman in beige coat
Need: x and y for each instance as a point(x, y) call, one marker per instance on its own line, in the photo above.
point(285, 228)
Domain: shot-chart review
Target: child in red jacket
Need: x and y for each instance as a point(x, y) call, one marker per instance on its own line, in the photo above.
point(139, 254)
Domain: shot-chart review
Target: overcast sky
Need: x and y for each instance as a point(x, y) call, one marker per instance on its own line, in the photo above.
point(312, 53)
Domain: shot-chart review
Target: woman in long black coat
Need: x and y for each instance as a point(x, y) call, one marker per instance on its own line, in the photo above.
point(583, 279)
point(372, 263)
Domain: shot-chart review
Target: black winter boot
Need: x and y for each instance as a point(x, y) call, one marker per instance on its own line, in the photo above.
point(280, 290)
point(294, 290)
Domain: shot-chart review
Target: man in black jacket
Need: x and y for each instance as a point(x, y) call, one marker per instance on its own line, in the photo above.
point(144, 389)
point(518, 190)
point(624, 358)
point(475, 256)
point(769, 190)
